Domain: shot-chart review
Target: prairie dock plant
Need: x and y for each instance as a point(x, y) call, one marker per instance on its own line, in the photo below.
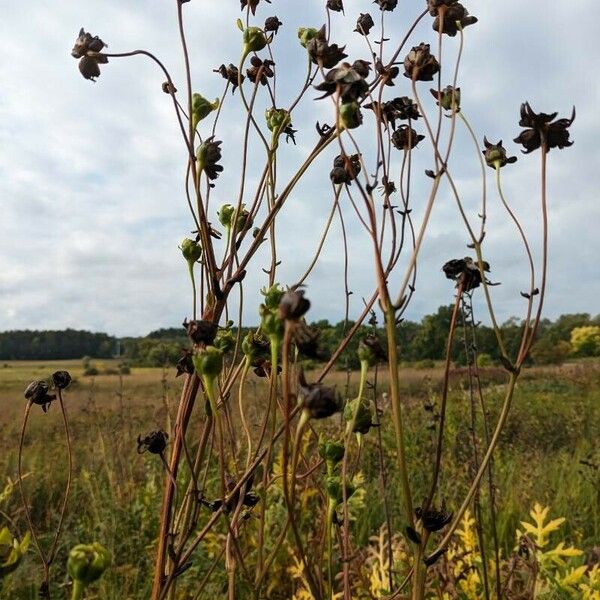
point(287, 482)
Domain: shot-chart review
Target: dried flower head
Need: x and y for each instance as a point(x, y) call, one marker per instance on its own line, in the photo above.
point(335, 5)
point(348, 80)
point(61, 379)
point(542, 131)
point(433, 519)
point(155, 442)
point(465, 272)
point(89, 65)
point(371, 350)
point(293, 305)
point(272, 24)
point(451, 18)
point(37, 392)
point(399, 108)
point(201, 332)
point(306, 339)
point(495, 154)
point(231, 74)
point(387, 72)
point(386, 4)
point(208, 154)
point(318, 401)
point(406, 138)
point(185, 364)
point(260, 70)
point(323, 53)
point(345, 169)
point(251, 4)
point(364, 23)
point(420, 64)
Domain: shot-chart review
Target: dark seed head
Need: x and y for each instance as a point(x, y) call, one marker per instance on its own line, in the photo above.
point(155, 442)
point(61, 379)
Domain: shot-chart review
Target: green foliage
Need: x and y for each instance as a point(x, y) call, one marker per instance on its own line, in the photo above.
point(586, 340)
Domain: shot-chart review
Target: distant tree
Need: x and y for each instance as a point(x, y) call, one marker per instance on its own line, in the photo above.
point(586, 340)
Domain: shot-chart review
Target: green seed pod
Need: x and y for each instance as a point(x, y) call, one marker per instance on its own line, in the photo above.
point(201, 108)
point(225, 214)
point(364, 418)
point(332, 451)
point(255, 345)
point(271, 324)
point(277, 119)
point(87, 562)
point(11, 551)
point(350, 115)
point(333, 485)
point(273, 296)
point(191, 250)
point(208, 362)
point(254, 40)
point(225, 341)
point(305, 34)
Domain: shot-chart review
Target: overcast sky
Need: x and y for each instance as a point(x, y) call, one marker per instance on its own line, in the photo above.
point(91, 197)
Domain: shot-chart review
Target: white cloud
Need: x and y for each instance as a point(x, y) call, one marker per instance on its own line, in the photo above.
point(91, 175)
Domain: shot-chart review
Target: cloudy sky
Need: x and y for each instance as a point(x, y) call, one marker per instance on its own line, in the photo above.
point(91, 196)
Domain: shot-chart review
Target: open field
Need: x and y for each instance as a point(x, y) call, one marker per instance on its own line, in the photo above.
point(117, 492)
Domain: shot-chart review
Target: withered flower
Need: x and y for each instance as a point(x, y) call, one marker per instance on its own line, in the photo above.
point(252, 4)
point(399, 108)
point(447, 98)
point(432, 519)
point(345, 169)
point(386, 4)
point(306, 340)
point(542, 131)
point(88, 65)
point(434, 5)
point(201, 332)
point(406, 138)
point(319, 401)
point(155, 442)
point(364, 23)
point(262, 368)
point(335, 5)
point(185, 364)
point(388, 73)
point(348, 80)
point(322, 53)
point(61, 379)
point(495, 154)
point(293, 305)
point(264, 67)
point(273, 24)
point(451, 15)
point(420, 64)
point(387, 187)
point(168, 88)
point(371, 350)
point(208, 155)
point(231, 74)
point(465, 272)
point(37, 393)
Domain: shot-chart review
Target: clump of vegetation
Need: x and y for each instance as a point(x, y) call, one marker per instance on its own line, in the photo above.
point(274, 490)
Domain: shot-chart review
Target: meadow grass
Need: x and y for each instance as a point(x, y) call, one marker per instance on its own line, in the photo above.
point(117, 492)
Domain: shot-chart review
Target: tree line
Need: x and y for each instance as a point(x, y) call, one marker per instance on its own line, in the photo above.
point(569, 335)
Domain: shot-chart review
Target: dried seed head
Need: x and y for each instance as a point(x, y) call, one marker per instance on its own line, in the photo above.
point(319, 401)
point(345, 169)
point(37, 393)
point(465, 272)
point(433, 519)
point(364, 23)
point(261, 70)
point(231, 74)
point(451, 18)
point(406, 138)
point(61, 379)
point(293, 305)
point(85, 43)
point(386, 4)
point(322, 53)
point(273, 24)
point(155, 442)
point(542, 130)
point(420, 64)
point(208, 154)
point(201, 332)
